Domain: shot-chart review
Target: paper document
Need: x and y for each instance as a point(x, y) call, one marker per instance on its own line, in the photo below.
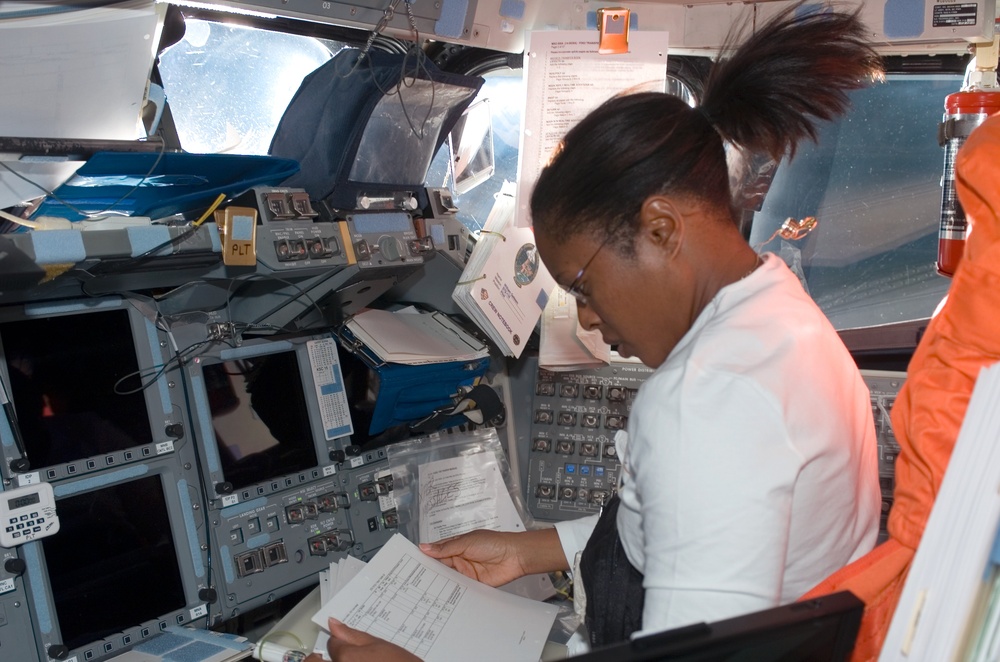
point(566, 79)
point(436, 613)
point(565, 345)
point(415, 338)
point(70, 72)
point(462, 494)
point(504, 286)
point(332, 582)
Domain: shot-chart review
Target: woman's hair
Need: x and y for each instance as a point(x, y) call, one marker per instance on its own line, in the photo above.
point(794, 70)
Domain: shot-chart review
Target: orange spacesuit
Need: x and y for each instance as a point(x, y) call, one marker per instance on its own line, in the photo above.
point(961, 339)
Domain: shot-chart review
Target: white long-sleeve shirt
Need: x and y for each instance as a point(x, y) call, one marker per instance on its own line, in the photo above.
point(750, 472)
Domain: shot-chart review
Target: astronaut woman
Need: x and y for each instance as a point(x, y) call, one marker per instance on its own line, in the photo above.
point(749, 465)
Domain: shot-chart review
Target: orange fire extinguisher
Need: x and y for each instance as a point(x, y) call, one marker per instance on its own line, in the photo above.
point(963, 112)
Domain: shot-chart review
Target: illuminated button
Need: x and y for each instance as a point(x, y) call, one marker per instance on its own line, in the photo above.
point(584, 470)
point(598, 471)
point(571, 468)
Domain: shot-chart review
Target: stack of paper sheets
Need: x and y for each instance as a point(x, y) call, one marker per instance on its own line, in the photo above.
point(411, 337)
point(505, 286)
point(436, 613)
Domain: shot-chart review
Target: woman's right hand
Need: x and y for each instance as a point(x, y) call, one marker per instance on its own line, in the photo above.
point(495, 558)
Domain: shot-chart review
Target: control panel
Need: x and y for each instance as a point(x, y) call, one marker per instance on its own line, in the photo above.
point(572, 459)
point(884, 389)
point(272, 545)
point(289, 236)
point(386, 238)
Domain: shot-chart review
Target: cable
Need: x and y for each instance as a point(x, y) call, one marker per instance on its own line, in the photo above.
point(256, 322)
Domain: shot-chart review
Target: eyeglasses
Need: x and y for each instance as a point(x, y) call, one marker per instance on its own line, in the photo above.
point(574, 287)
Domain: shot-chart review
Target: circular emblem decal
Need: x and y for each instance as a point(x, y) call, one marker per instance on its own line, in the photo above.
point(525, 265)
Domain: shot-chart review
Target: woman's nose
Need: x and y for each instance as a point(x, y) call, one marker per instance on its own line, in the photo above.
point(589, 320)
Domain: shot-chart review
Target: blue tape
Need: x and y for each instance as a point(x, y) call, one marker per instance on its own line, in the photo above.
point(6, 434)
point(227, 564)
point(42, 608)
point(452, 20)
point(58, 246)
point(255, 350)
point(147, 237)
point(258, 540)
point(155, 352)
point(46, 309)
point(204, 415)
point(512, 9)
point(903, 18)
point(190, 527)
point(195, 651)
point(633, 21)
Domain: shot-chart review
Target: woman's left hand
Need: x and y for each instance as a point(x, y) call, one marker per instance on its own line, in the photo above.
point(349, 645)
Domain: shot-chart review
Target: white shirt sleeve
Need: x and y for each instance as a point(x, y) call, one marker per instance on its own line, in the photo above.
point(706, 513)
point(574, 534)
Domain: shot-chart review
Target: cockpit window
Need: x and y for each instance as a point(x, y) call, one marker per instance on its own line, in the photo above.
point(504, 90)
point(873, 182)
point(228, 85)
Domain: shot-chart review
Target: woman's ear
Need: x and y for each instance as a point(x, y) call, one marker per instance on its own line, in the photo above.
point(662, 224)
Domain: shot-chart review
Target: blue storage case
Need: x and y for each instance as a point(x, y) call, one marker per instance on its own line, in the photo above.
point(409, 393)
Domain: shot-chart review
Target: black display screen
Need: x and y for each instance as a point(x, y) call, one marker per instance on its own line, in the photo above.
point(260, 418)
point(63, 374)
point(113, 563)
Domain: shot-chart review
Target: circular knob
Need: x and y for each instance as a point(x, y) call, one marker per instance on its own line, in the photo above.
point(410, 203)
point(389, 247)
point(364, 202)
point(15, 567)
point(58, 651)
point(223, 488)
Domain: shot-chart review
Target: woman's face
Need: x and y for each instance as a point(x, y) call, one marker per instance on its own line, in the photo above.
point(628, 299)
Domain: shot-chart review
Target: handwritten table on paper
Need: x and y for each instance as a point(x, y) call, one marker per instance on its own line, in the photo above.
point(409, 607)
point(432, 611)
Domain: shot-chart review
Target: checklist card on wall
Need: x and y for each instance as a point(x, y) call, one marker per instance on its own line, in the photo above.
point(330, 391)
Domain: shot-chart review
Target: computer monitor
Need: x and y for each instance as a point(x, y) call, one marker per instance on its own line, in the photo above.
point(270, 413)
point(122, 567)
point(81, 377)
point(819, 630)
